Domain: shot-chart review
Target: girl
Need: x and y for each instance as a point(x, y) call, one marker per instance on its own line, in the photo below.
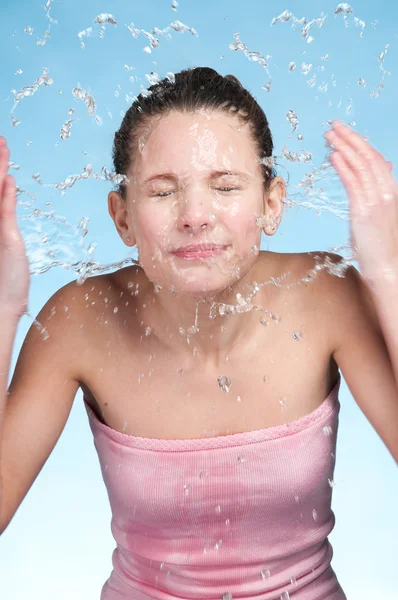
point(210, 370)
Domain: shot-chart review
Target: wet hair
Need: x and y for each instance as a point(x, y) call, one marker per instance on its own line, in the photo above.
point(188, 91)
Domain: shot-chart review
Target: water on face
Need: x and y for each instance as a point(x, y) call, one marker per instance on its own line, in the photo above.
point(54, 242)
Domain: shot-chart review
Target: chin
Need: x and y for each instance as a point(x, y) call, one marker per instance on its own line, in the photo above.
point(198, 280)
point(202, 287)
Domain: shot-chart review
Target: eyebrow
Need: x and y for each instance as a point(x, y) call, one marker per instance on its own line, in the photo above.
point(213, 175)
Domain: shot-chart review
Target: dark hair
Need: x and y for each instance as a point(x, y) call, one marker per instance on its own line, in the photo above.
point(187, 91)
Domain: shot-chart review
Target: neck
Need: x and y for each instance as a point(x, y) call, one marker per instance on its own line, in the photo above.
point(209, 326)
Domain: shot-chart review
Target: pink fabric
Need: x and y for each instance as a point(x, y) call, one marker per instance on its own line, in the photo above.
point(237, 516)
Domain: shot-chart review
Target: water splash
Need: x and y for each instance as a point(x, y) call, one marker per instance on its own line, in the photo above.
point(29, 90)
point(293, 120)
point(53, 242)
point(254, 56)
point(224, 383)
point(307, 25)
point(80, 94)
point(102, 20)
point(154, 41)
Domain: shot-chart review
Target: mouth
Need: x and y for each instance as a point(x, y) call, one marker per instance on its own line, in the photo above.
point(199, 251)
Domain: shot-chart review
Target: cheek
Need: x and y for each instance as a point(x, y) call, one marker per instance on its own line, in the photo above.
point(152, 226)
point(241, 221)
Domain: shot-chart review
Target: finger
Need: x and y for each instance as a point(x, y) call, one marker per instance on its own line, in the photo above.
point(3, 170)
point(9, 197)
point(366, 182)
point(4, 158)
point(9, 230)
point(348, 179)
point(378, 166)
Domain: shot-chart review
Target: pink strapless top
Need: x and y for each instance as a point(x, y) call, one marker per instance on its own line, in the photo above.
point(245, 515)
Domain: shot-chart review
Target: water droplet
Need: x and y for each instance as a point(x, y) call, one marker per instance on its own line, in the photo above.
point(227, 522)
point(265, 378)
point(115, 310)
point(187, 489)
point(285, 596)
point(203, 475)
point(218, 509)
point(305, 68)
point(265, 574)
point(239, 399)
point(293, 580)
point(218, 545)
point(264, 321)
point(283, 403)
point(261, 221)
point(148, 331)
point(331, 483)
point(327, 430)
point(224, 382)
point(314, 514)
point(226, 596)
point(298, 335)
point(44, 334)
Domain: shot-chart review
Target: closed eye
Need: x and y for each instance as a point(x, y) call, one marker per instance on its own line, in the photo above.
point(165, 194)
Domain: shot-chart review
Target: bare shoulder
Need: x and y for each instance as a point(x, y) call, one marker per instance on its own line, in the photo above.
point(312, 290)
point(99, 292)
point(317, 293)
point(342, 293)
point(71, 314)
point(83, 309)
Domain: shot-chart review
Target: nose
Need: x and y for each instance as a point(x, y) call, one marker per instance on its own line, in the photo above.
point(196, 212)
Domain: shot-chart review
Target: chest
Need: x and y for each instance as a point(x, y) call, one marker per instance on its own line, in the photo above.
point(284, 374)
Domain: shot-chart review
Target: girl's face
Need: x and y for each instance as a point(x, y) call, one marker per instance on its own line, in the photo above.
point(195, 193)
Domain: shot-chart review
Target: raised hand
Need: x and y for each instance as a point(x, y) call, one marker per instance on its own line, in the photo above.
point(14, 265)
point(373, 196)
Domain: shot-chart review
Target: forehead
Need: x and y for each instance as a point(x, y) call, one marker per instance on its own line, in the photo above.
point(188, 141)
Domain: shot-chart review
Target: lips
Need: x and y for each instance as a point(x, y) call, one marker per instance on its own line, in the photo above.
point(199, 247)
point(193, 252)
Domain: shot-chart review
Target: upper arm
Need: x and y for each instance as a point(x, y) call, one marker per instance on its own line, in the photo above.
point(39, 398)
point(362, 354)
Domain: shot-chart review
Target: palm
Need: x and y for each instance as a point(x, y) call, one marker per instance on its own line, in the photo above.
point(14, 265)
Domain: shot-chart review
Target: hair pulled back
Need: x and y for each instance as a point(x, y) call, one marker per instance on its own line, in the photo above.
point(187, 91)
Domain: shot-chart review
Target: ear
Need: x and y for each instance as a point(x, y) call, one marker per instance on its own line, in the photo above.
point(273, 205)
point(117, 208)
